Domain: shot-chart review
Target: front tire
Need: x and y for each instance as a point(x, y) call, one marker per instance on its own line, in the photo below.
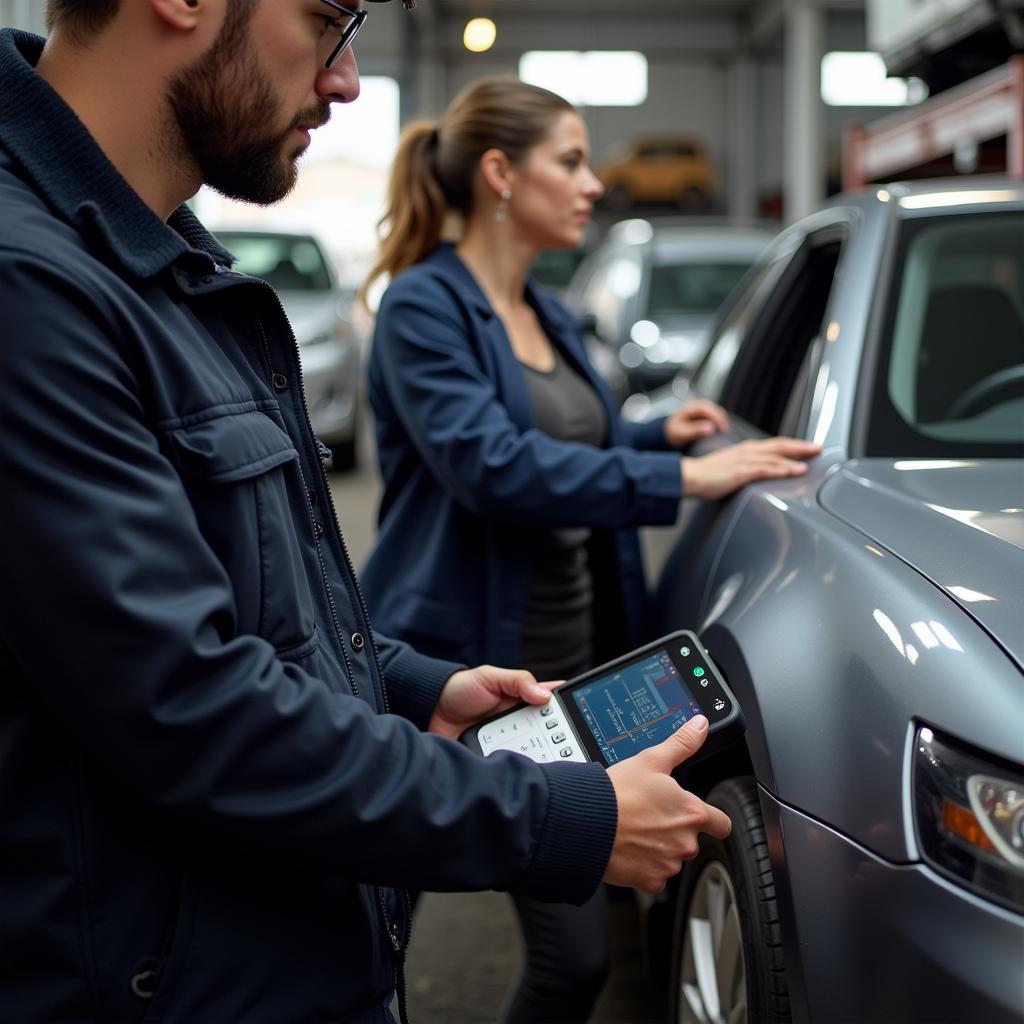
point(727, 962)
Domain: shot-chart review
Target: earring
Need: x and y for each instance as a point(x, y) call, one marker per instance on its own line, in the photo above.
point(501, 213)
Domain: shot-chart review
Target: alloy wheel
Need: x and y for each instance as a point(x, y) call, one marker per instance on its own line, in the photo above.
point(713, 977)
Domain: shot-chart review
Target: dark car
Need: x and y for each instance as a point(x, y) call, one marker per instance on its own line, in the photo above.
point(650, 291)
point(869, 616)
point(320, 313)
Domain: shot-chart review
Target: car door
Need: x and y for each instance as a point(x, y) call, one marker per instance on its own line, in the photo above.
point(760, 367)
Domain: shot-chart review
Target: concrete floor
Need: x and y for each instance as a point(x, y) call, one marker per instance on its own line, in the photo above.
point(465, 947)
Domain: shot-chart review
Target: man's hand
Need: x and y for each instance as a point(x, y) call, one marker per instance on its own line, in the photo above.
point(477, 693)
point(659, 821)
point(721, 472)
point(693, 421)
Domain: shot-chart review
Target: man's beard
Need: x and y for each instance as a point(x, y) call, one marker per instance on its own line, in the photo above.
point(223, 104)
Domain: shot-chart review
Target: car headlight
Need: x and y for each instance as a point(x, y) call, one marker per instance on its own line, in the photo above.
point(969, 816)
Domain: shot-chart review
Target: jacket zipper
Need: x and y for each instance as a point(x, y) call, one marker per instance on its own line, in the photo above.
point(390, 927)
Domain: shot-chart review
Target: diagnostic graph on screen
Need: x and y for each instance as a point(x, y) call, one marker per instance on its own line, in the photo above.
point(636, 707)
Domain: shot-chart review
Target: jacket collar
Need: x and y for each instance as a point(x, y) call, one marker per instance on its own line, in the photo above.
point(558, 323)
point(446, 262)
point(73, 175)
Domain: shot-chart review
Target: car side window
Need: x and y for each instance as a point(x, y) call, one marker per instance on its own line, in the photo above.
point(769, 380)
point(711, 375)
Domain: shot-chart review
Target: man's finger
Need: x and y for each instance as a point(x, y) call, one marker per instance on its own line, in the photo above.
point(683, 743)
point(718, 824)
point(522, 684)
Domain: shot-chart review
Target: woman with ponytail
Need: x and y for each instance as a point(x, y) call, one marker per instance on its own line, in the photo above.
point(512, 489)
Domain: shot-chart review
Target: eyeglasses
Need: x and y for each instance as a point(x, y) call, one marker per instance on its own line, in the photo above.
point(343, 29)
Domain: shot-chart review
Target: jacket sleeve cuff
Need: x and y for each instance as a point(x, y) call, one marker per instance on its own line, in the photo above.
point(414, 681)
point(649, 436)
point(659, 495)
point(576, 838)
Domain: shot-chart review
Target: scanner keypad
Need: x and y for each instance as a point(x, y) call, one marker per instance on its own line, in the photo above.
point(538, 732)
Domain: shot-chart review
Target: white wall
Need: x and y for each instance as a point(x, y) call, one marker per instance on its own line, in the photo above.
point(26, 14)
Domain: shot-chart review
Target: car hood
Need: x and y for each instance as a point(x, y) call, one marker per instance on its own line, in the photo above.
point(958, 523)
point(311, 313)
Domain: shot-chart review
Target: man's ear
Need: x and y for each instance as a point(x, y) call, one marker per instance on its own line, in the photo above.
point(182, 15)
point(494, 168)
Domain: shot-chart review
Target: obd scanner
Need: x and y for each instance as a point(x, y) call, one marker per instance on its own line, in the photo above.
point(620, 708)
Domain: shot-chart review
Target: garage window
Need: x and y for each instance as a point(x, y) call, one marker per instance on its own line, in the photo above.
point(591, 78)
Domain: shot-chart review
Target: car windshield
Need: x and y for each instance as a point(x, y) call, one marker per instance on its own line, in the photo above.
point(951, 376)
point(685, 288)
point(289, 262)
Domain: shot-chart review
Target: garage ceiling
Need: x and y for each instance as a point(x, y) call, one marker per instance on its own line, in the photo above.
point(632, 8)
point(593, 8)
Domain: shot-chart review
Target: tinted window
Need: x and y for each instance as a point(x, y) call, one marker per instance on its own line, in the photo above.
point(950, 378)
point(710, 377)
point(289, 263)
point(763, 354)
point(691, 287)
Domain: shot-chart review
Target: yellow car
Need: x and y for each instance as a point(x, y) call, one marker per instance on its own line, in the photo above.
point(669, 169)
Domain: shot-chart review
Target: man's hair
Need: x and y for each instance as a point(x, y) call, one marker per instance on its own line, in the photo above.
point(82, 18)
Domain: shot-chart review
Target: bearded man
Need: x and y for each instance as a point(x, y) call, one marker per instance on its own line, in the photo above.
point(215, 780)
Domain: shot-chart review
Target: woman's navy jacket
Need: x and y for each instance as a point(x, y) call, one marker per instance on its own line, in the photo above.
point(468, 479)
point(203, 804)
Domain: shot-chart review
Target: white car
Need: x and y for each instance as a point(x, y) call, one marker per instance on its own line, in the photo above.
point(320, 315)
point(649, 292)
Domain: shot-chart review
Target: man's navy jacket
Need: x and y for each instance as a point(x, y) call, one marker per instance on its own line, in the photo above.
point(203, 802)
point(469, 480)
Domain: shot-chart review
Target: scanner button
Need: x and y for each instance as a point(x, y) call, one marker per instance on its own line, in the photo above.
point(558, 737)
point(566, 752)
point(552, 724)
point(547, 710)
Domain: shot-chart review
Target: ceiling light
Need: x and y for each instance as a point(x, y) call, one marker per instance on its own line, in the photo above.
point(479, 34)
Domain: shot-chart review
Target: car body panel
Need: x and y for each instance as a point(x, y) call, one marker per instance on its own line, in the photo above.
point(914, 509)
point(830, 689)
point(859, 916)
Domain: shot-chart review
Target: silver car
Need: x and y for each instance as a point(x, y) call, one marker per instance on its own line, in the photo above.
point(319, 311)
point(649, 292)
point(870, 618)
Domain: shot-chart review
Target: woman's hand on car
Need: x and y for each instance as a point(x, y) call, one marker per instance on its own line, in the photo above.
point(721, 472)
point(693, 421)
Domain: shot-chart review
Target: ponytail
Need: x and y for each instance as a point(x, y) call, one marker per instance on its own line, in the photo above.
point(414, 218)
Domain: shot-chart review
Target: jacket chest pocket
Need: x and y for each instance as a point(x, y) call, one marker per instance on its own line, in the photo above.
point(242, 475)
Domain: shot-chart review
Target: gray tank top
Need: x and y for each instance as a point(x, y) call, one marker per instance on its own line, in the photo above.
point(557, 629)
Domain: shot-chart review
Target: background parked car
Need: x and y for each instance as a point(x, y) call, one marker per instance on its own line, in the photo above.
point(650, 291)
point(665, 169)
point(320, 314)
point(869, 618)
